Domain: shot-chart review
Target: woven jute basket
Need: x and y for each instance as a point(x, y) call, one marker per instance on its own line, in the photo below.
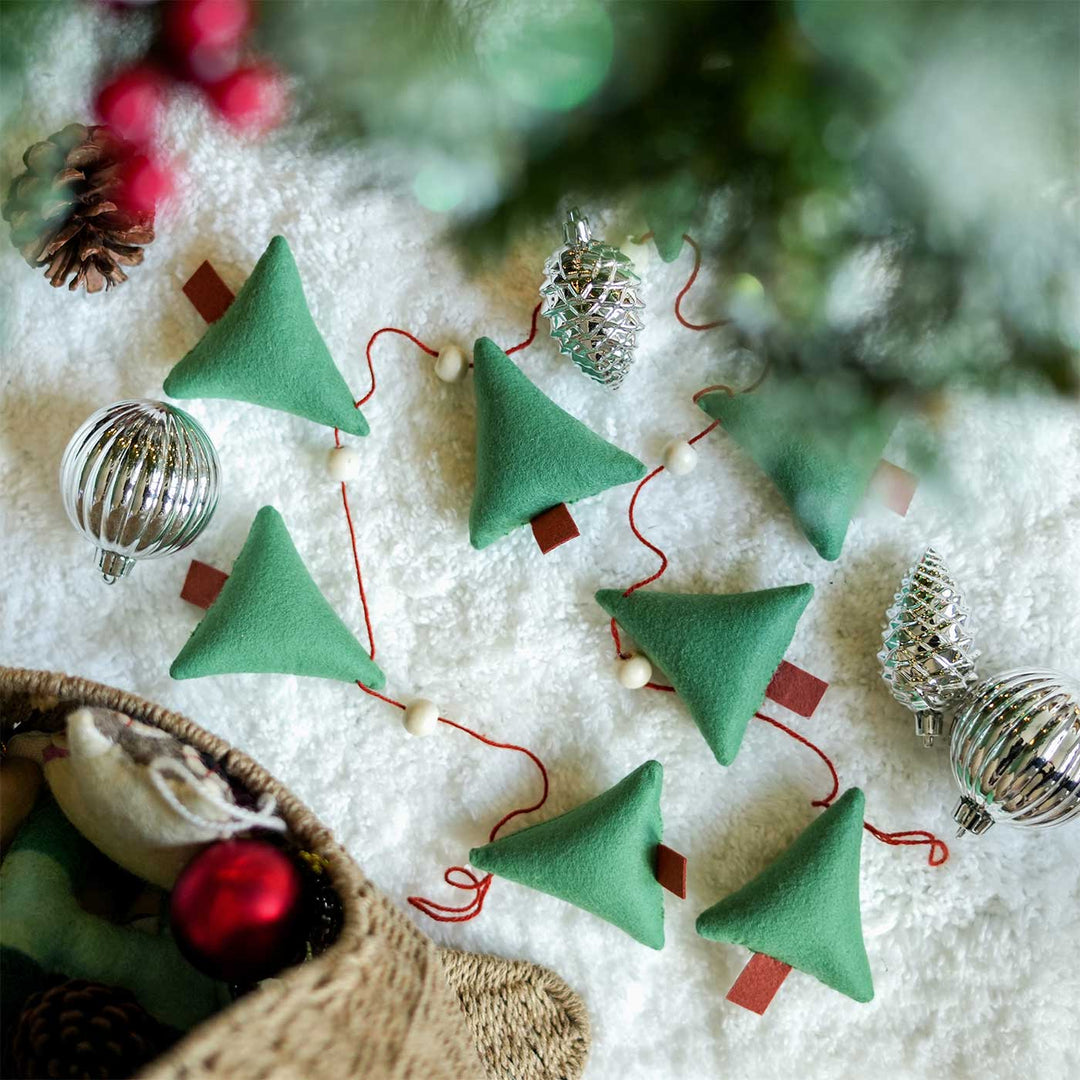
point(383, 1002)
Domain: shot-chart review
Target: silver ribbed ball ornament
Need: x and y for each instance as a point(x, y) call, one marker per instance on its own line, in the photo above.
point(928, 654)
point(139, 480)
point(590, 299)
point(1015, 751)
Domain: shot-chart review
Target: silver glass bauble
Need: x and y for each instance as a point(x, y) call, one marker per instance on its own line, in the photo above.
point(928, 655)
point(590, 299)
point(1015, 751)
point(139, 480)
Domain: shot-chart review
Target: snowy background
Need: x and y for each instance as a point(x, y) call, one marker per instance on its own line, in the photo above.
point(976, 964)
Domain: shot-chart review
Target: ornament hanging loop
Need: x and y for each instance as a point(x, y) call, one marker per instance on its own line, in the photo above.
point(929, 725)
point(576, 228)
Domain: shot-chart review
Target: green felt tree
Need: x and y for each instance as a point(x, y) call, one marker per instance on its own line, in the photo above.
point(271, 617)
point(719, 652)
point(820, 458)
point(531, 455)
point(803, 909)
point(266, 349)
point(599, 856)
point(669, 208)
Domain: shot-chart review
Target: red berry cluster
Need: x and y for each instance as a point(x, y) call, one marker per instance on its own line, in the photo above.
point(199, 42)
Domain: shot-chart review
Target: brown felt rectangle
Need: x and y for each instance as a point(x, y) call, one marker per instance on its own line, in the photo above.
point(671, 870)
point(202, 584)
point(758, 982)
point(208, 293)
point(554, 527)
point(893, 486)
point(796, 689)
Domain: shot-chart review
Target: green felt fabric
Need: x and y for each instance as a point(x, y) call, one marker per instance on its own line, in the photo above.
point(599, 856)
point(271, 617)
point(669, 208)
point(720, 652)
point(530, 454)
point(266, 349)
point(43, 929)
point(820, 457)
point(803, 908)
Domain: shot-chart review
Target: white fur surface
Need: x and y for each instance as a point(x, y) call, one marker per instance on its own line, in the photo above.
point(976, 965)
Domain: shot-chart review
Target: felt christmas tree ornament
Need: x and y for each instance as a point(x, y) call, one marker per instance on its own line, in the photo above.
point(267, 350)
point(803, 909)
point(820, 457)
point(719, 652)
point(271, 617)
point(669, 208)
point(43, 929)
point(600, 856)
point(532, 457)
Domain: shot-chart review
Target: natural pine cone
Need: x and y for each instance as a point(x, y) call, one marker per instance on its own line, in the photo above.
point(84, 1029)
point(63, 210)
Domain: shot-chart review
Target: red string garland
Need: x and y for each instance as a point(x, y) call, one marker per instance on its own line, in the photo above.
point(460, 877)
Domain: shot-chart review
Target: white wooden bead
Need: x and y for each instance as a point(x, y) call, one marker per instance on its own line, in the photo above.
point(679, 457)
point(451, 364)
point(343, 463)
point(421, 717)
point(634, 672)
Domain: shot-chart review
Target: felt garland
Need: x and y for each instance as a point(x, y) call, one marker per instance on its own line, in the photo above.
point(606, 855)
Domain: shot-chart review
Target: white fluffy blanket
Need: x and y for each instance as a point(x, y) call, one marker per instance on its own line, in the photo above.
point(976, 964)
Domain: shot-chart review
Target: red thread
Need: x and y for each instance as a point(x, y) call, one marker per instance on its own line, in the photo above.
point(687, 287)
point(645, 238)
point(356, 561)
point(532, 334)
point(370, 363)
point(939, 850)
point(479, 886)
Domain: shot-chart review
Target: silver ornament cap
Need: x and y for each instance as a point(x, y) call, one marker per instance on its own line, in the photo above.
point(139, 480)
point(591, 301)
point(1014, 748)
point(928, 653)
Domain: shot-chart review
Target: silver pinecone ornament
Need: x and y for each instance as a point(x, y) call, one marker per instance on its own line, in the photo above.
point(591, 301)
point(1014, 748)
point(928, 656)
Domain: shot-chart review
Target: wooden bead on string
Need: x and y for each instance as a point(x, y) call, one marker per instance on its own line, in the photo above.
point(421, 717)
point(343, 463)
point(451, 364)
point(633, 672)
point(679, 457)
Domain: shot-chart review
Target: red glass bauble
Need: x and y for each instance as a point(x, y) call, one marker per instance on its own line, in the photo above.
point(236, 910)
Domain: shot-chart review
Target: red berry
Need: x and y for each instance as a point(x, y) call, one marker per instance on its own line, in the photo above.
point(236, 910)
point(130, 103)
point(144, 184)
point(251, 98)
point(205, 24)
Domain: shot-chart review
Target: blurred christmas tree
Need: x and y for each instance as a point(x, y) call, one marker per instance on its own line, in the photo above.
point(890, 188)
